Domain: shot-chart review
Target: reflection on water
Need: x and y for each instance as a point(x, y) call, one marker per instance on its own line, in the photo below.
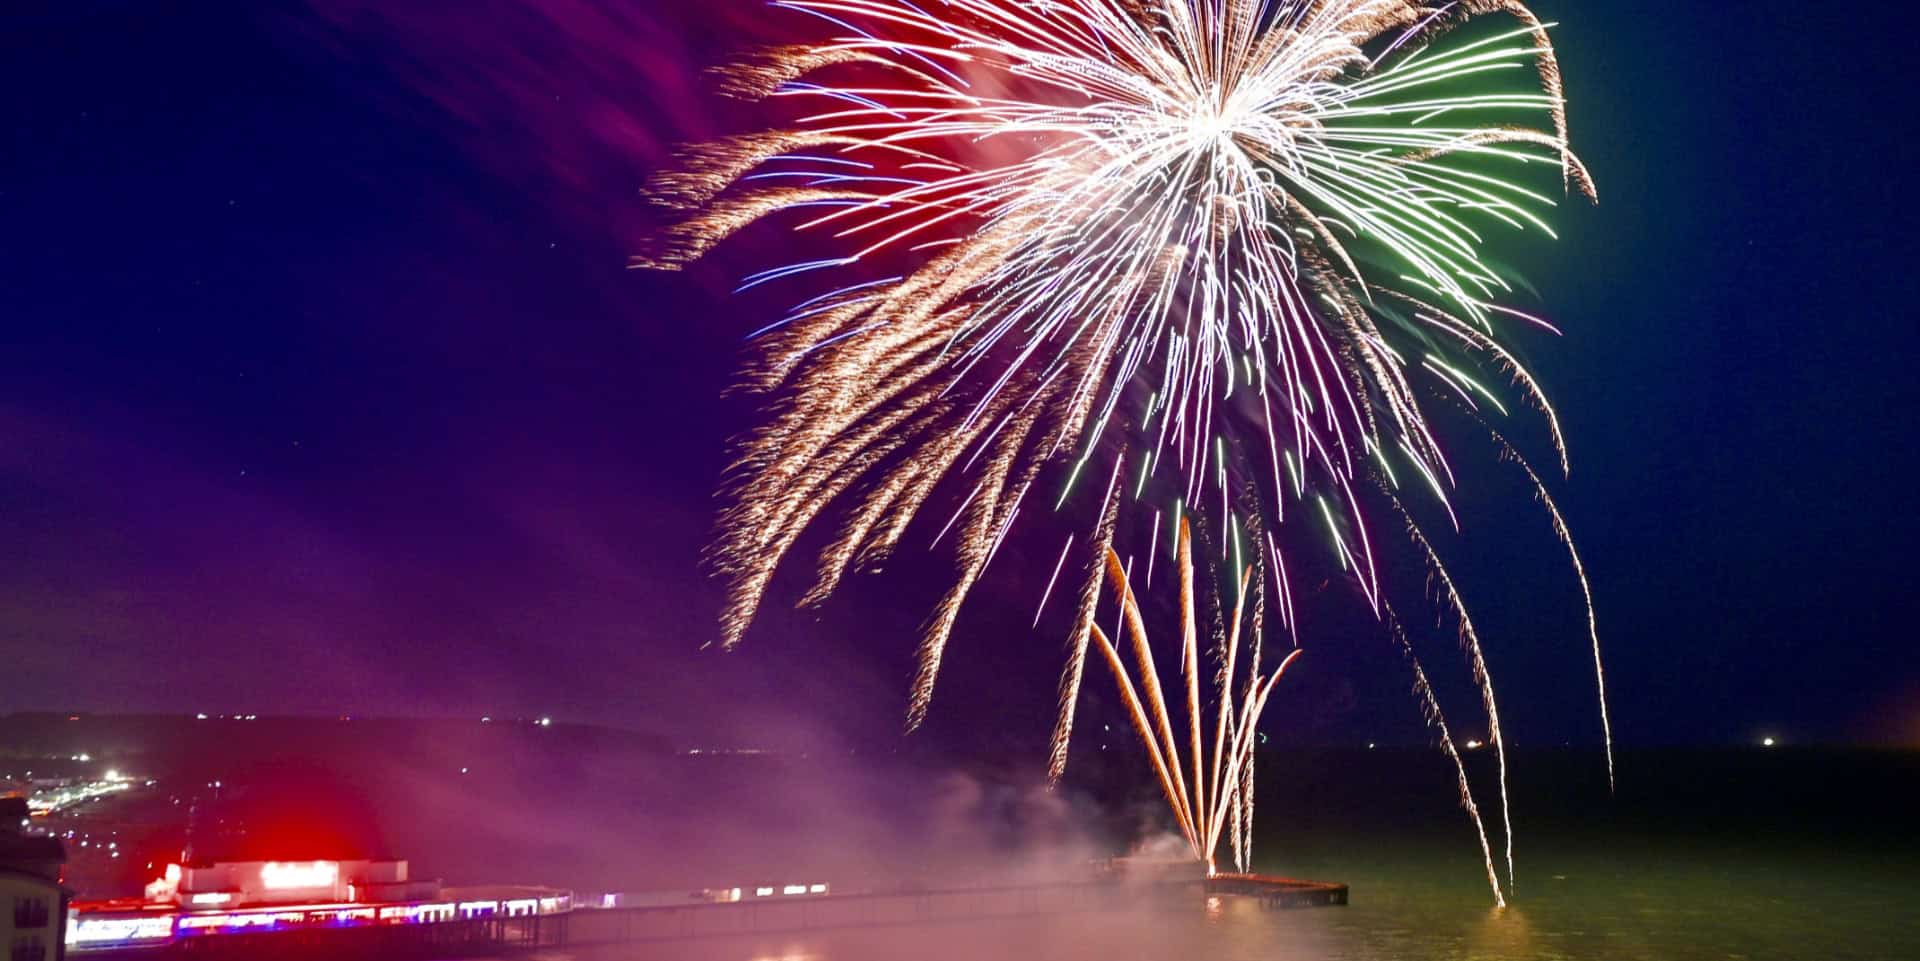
point(1702, 855)
point(1626, 901)
point(1502, 933)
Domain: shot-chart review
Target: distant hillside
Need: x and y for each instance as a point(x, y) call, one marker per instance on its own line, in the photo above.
point(185, 744)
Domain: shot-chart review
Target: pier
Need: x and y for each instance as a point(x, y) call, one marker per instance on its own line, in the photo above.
point(589, 926)
point(903, 908)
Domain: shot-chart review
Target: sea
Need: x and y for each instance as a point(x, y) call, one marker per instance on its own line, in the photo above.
point(1796, 854)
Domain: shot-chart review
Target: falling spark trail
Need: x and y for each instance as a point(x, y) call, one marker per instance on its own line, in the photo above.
point(1470, 640)
point(1075, 669)
point(1565, 535)
point(1057, 565)
point(1434, 716)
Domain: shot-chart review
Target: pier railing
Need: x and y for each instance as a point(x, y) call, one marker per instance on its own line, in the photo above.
point(701, 919)
point(911, 907)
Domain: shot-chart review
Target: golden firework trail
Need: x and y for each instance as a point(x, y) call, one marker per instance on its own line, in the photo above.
point(1243, 240)
point(1221, 792)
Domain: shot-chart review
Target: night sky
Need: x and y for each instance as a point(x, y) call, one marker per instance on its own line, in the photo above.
point(324, 389)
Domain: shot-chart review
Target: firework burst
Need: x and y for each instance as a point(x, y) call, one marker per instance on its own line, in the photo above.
point(1242, 239)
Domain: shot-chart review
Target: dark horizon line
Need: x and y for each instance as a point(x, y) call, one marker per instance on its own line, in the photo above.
point(555, 722)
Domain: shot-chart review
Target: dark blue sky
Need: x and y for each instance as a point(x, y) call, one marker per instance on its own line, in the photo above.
point(323, 388)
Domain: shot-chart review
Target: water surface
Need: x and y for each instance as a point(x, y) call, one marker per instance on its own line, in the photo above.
point(1626, 901)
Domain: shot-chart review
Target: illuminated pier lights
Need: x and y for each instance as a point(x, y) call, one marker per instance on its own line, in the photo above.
point(202, 900)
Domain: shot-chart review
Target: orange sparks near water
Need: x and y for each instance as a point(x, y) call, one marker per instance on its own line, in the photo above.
point(1221, 791)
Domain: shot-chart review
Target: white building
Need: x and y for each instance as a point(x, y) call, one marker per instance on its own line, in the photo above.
point(232, 884)
point(33, 905)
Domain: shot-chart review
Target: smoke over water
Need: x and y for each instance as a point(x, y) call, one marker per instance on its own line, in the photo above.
point(599, 810)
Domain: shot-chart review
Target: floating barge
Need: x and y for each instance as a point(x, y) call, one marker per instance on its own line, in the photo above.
point(1282, 893)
